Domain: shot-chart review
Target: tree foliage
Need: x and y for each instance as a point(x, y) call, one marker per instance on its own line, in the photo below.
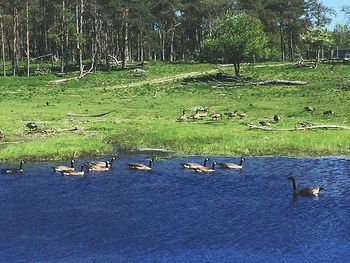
point(111, 31)
point(237, 38)
point(341, 36)
point(316, 39)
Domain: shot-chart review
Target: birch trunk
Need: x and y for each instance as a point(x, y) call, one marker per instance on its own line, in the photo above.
point(3, 47)
point(27, 37)
point(79, 27)
point(125, 51)
point(14, 48)
point(172, 37)
point(283, 55)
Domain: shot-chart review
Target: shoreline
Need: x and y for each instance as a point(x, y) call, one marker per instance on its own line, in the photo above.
point(146, 115)
point(160, 152)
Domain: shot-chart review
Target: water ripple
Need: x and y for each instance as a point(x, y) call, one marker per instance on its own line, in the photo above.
point(171, 214)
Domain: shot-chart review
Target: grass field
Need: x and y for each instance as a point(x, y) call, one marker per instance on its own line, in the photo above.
point(145, 116)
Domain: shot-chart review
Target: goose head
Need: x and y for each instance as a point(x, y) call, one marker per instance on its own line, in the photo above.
point(21, 164)
point(151, 161)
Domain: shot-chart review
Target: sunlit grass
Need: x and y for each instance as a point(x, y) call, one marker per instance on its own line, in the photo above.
point(145, 116)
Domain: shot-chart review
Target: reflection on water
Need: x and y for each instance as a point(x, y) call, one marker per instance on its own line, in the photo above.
point(175, 215)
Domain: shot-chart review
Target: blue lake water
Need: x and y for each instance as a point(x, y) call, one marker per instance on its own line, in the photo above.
point(176, 215)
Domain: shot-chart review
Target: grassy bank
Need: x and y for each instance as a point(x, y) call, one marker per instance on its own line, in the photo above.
point(146, 115)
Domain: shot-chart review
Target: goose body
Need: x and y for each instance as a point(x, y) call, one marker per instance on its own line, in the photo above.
point(309, 191)
point(242, 114)
point(276, 118)
point(13, 170)
point(264, 123)
point(2, 134)
point(196, 116)
point(74, 172)
point(98, 168)
point(309, 109)
point(31, 126)
point(231, 114)
point(202, 113)
point(61, 168)
point(328, 112)
point(206, 169)
point(141, 166)
point(195, 165)
point(216, 115)
point(232, 165)
point(182, 117)
point(102, 163)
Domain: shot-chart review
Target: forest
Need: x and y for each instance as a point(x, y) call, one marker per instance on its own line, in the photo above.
point(61, 36)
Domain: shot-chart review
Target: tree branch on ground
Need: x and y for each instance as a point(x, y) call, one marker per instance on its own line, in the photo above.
point(312, 127)
point(89, 115)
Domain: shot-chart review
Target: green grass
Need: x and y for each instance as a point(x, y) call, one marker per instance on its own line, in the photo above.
point(146, 116)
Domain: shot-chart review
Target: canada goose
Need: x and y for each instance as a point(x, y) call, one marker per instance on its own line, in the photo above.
point(203, 112)
point(303, 124)
point(31, 126)
point(2, 134)
point(13, 170)
point(242, 114)
point(231, 114)
point(195, 116)
point(328, 112)
point(195, 165)
point(182, 117)
point(141, 166)
point(309, 109)
point(310, 191)
point(276, 118)
point(98, 168)
point(216, 115)
point(264, 123)
point(206, 169)
point(74, 172)
point(103, 164)
point(232, 165)
point(61, 168)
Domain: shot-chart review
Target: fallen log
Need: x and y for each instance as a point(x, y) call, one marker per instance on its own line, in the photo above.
point(313, 127)
point(89, 115)
point(282, 82)
point(59, 81)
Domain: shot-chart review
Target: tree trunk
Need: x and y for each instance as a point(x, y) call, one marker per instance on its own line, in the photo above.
point(283, 55)
point(44, 29)
point(141, 48)
point(81, 67)
point(79, 27)
point(162, 42)
point(125, 47)
point(62, 37)
point(27, 37)
point(14, 48)
point(172, 38)
point(209, 25)
point(94, 43)
point(290, 45)
point(138, 47)
point(237, 69)
point(3, 47)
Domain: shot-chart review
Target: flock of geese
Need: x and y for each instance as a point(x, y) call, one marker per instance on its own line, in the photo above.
point(201, 112)
point(204, 112)
point(103, 166)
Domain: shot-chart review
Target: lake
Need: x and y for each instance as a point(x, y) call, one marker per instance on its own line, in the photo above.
point(175, 215)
